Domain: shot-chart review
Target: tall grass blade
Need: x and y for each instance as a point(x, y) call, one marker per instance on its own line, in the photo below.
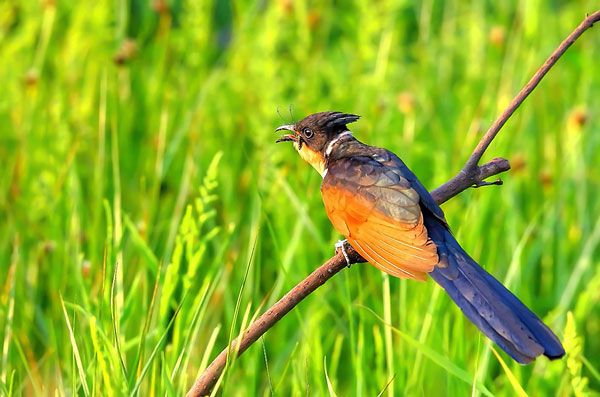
point(82, 376)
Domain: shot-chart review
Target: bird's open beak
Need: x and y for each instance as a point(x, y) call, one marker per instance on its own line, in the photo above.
point(287, 137)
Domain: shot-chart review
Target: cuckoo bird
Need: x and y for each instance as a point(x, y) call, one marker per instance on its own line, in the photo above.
point(391, 220)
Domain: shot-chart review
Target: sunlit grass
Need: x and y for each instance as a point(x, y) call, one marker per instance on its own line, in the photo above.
point(140, 182)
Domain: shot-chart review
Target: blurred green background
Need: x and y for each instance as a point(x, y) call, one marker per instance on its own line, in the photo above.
point(146, 215)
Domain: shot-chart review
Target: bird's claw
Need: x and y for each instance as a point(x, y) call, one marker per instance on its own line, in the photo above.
point(341, 245)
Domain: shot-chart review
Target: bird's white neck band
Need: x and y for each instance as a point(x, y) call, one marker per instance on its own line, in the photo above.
point(336, 140)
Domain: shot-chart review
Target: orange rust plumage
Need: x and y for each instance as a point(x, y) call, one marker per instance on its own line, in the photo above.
point(401, 249)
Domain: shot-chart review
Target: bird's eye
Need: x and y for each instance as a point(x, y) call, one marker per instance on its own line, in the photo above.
point(308, 132)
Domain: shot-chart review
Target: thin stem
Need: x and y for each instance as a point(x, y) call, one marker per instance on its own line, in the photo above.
point(491, 133)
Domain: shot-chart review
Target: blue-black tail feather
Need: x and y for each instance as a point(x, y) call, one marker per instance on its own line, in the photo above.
point(487, 303)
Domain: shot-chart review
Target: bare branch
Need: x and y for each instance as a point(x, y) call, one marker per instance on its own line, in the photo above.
point(465, 179)
point(491, 133)
point(317, 278)
point(471, 175)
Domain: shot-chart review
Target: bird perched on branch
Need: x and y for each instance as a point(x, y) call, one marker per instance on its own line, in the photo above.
point(392, 221)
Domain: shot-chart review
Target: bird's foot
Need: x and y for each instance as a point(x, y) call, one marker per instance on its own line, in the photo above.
point(341, 245)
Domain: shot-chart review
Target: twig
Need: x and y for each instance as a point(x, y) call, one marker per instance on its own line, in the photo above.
point(491, 133)
point(497, 182)
point(463, 180)
point(471, 175)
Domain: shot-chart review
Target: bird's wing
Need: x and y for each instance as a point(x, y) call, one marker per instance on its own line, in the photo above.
point(379, 212)
point(389, 159)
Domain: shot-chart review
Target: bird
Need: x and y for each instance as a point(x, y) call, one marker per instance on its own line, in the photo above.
point(391, 220)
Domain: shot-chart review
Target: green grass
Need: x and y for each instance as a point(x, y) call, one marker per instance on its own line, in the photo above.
point(140, 184)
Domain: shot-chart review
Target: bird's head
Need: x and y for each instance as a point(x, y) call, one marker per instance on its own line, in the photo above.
point(315, 135)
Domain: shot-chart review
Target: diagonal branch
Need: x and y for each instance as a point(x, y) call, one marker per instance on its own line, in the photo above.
point(491, 133)
point(471, 175)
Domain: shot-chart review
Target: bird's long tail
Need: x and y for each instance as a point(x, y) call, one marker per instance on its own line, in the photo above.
point(488, 304)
